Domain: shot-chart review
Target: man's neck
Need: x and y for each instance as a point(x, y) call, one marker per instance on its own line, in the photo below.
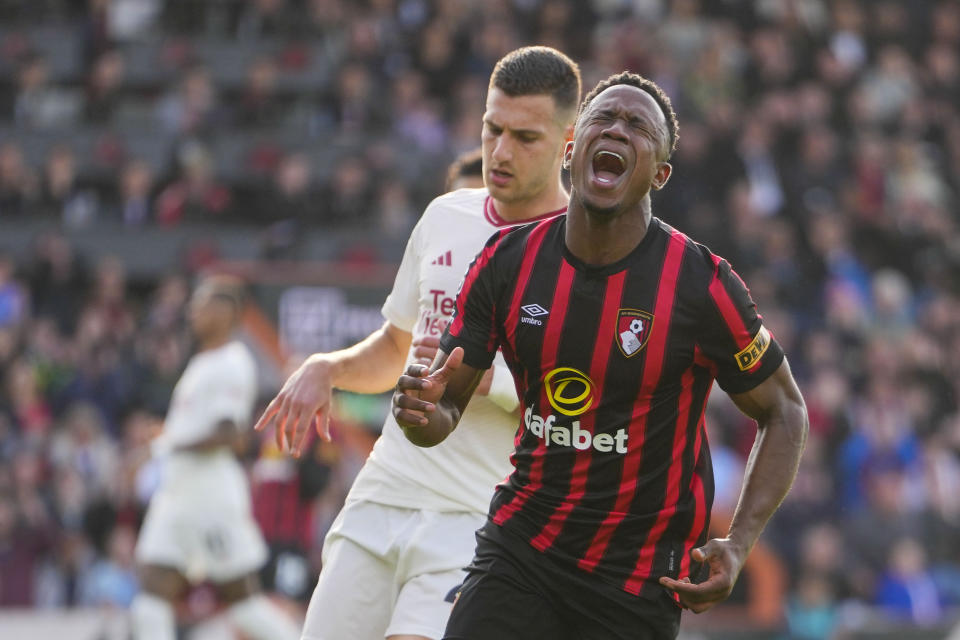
point(213, 342)
point(599, 240)
point(550, 200)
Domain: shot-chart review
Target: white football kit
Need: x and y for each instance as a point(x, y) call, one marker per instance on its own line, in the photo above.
point(394, 556)
point(200, 520)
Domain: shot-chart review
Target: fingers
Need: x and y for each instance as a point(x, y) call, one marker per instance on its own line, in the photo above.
point(410, 410)
point(425, 349)
point(696, 597)
point(322, 423)
point(450, 365)
point(280, 425)
point(300, 431)
point(267, 416)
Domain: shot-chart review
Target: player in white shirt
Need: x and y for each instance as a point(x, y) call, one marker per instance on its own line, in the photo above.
point(394, 557)
point(199, 524)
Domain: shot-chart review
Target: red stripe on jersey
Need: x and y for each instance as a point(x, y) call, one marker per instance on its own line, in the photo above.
point(656, 348)
point(456, 325)
point(530, 253)
point(490, 213)
point(696, 488)
point(674, 472)
point(551, 342)
point(731, 317)
point(598, 373)
point(700, 359)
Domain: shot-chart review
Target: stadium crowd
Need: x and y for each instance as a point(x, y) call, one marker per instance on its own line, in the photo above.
point(819, 152)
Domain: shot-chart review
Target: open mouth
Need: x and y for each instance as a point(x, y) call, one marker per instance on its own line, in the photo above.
point(608, 166)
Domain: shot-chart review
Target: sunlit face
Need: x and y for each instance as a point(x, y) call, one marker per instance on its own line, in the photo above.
point(522, 140)
point(619, 145)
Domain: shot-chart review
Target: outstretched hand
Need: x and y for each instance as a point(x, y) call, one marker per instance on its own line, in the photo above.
point(303, 400)
point(725, 560)
point(418, 390)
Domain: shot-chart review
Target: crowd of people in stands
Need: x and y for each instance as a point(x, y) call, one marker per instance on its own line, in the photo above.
point(819, 152)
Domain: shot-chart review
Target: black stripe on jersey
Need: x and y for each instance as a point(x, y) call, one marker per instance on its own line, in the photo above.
point(603, 483)
point(658, 443)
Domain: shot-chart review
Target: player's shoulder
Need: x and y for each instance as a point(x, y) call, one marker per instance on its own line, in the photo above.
point(462, 202)
point(234, 357)
point(697, 256)
point(512, 241)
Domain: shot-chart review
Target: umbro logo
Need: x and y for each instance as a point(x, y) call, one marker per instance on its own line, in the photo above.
point(444, 259)
point(533, 311)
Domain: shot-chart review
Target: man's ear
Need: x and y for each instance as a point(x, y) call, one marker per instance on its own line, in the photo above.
point(664, 170)
point(567, 154)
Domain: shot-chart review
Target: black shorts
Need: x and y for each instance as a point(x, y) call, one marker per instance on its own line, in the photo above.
point(514, 592)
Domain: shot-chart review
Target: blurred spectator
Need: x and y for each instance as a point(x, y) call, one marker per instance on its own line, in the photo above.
point(259, 105)
point(84, 448)
point(104, 87)
point(264, 18)
point(13, 295)
point(197, 196)
point(57, 279)
point(17, 183)
point(38, 103)
point(348, 199)
point(28, 406)
point(111, 581)
point(22, 548)
point(288, 208)
point(136, 188)
point(907, 591)
point(192, 108)
point(60, 195)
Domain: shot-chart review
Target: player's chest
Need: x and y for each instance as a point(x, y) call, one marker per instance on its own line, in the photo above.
point(618, 325)
point(443, 264)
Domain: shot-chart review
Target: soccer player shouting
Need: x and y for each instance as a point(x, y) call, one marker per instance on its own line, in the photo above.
point(615, 326)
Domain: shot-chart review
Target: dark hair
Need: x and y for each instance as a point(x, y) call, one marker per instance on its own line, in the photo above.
point(651, 87)
point(227, 288)
point(468, 164)
point(531, 71)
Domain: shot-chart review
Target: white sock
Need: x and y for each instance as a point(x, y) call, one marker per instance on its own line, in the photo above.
point(152, 618)
point(262, 620)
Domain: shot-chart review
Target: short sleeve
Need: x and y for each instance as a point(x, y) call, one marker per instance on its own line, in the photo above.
point(733, 337)
point(473, 325)
point(402, 305)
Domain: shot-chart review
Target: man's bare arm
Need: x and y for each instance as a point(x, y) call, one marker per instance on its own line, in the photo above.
point(370, 366)
point(778, 408)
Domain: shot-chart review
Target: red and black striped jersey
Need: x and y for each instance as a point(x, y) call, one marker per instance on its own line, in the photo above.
point(614, 364)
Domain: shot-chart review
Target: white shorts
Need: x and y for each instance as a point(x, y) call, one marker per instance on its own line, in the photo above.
point(390, 571)
point(203, 541)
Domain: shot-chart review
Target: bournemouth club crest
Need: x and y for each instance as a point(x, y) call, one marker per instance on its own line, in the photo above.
point(633, 330)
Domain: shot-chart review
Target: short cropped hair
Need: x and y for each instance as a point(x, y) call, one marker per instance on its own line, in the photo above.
point(531, 71)
point(651, 87)
point(227, 288)
point(468, 164)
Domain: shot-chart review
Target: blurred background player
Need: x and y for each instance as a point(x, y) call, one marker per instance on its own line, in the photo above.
point(466, 171)
point(199, 525)
point(393, 559)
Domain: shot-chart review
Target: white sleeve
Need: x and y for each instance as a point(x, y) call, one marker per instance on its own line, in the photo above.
point(402, 306)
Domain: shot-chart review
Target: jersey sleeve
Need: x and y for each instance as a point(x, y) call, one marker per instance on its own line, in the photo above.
point(473, 325)
point(402, 306)
point(733, 338)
